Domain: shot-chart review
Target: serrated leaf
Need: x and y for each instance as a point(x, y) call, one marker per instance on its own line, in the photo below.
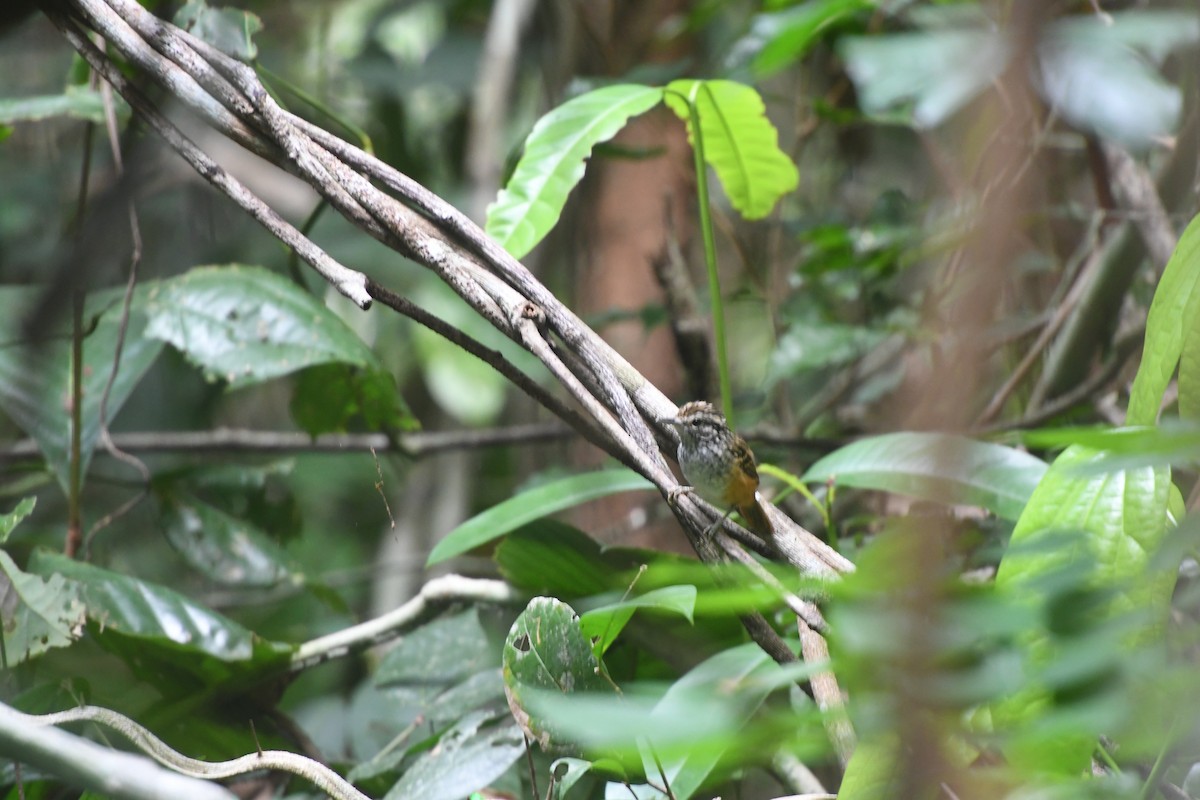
point(938, 467)
point(606, 623)
point(38, 398)
point(547, 651)
point(144, 622)
point(467, 758)
point(245, 325)
point(37, 614)
point(740, 143)
point(443, 651)
point(9, 522)
point(534, 504)
point(226, 549)
point(553, 162)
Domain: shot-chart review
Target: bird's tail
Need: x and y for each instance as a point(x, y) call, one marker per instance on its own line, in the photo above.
point(756, 516)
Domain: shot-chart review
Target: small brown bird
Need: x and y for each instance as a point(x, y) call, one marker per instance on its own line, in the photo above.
point(718, 464)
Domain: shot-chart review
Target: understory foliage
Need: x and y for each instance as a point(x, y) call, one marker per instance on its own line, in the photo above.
point(946, 262)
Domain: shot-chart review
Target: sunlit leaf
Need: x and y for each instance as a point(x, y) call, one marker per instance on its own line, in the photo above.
point(938, 467)
point(553, 162)
point(533, 504)
point(740, 143)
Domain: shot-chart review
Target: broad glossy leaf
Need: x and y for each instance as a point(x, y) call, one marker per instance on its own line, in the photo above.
point(607, 622)
point(163, 623)
point(9, 522)
point(37, 614)
point(226, 549)
point(533, 504)
point(546, 651)
point(245, 325)
point(467, 758)
point(938, 467)
point(1119, 520)
point(444, 651)
point(1173, 313)
point(740, 143)
point(35, 379)
point(553, 162)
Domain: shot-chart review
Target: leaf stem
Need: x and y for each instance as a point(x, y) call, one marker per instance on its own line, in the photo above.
point(710, 254)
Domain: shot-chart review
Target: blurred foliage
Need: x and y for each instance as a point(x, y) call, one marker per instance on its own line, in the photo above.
point(1019, 624)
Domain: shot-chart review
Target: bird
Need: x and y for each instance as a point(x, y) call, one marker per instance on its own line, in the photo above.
point(718, 464)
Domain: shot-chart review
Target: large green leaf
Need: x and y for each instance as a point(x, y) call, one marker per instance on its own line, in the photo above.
point(605, 624)
point(35, 379)
point(1173, 331)
point(145, 622)
point(37, 614)
point(553, 162)
point(740, 143)
point(1116, 521)
point(444, 651)
point(78, 102)
point(938, 467)
point(245, 325)
point(872, 773)
point(533, 504)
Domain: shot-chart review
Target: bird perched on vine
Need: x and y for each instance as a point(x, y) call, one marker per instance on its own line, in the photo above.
point(718, 464)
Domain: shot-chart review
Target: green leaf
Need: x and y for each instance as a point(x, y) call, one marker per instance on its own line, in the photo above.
point(146, 623)
point(1173, 314)
point(78, 102)
point(872, 773)
point(245, 325)
point(327, 398)
point(226, 549)
point(533, 504)
point(607, 622)
point(230, 30)
point(38, 398)
point(468, 757)
point(923, 77)
point(740, 143)
point(789, 34)
point(553, 162)
point(547, 651)
point(806, 346)
point(938, 467)
point(1120, 519)
point(8, 522)
point(37, 614)
point(553, 558)
point(1172, 442)
point(444, 651)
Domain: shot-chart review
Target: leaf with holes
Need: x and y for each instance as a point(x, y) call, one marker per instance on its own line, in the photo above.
point(37, 613)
